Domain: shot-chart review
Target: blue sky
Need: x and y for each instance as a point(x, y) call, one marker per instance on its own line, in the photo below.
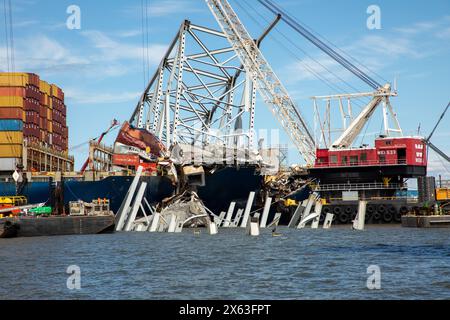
point(100, 67)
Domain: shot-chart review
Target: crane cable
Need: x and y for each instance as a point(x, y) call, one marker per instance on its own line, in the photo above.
point(351, 58)
point(320, 44)
point(310, 69)
point(147, 32)
point(144, 64)
point(94, 139)
point(8, 60)
point(145, 42)
point(11, 38)
point(10, 56)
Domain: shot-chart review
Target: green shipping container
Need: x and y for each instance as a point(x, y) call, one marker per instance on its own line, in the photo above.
point(41, 211)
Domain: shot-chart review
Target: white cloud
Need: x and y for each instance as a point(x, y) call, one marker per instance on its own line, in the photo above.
point(434, 27)
point(391, 46)
point(438, 166)
point(84, 97)
point(444, 34)
point(24, 24)
point(47, 55)
point(163, 8)
point(376, 52)
point(170, 7)
point(128, 33)
point(418, 28)
point(102, 56)
point(111, 50)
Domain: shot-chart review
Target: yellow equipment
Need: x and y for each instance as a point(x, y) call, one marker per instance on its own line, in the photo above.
point(13, 201)
point(442, 194)
point(290, 202)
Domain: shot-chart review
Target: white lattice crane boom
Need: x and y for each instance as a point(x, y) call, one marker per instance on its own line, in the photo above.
point(268, 84)
point(354, 129)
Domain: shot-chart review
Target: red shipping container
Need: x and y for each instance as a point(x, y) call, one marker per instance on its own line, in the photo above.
point(57, 93)
point(33, 79)
point(43, 111)
point(57, 105)
point(31, 130)
point(43, 124)
point(149, 167)
point(11, 113)
point(56, 117)
point(31, 105)
point(125, 160)
point(33, 92)
point(32, 117)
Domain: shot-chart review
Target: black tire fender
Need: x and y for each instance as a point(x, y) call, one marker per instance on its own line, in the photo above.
point(337, 210)
point(344, 218)
point(387, 216)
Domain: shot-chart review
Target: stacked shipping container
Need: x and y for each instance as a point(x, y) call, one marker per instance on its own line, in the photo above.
point(59, 113)
point(30, 110)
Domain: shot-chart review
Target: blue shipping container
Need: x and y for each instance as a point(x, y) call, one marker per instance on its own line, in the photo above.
point(11, 125)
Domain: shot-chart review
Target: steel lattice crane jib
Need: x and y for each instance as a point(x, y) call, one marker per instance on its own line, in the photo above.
point(267, 83)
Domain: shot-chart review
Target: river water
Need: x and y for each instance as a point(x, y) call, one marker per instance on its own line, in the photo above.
point(301, 264)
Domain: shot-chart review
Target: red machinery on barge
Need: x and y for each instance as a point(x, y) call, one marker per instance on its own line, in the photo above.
point(377, 174)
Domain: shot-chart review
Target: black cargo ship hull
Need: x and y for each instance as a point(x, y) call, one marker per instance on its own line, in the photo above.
point(222, 186)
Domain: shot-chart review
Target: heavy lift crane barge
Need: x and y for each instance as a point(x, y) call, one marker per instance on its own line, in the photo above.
point(345, 174)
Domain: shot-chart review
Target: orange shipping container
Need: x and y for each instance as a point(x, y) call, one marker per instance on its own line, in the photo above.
point(45, 100)
point(12, 91)
point(443, 194)
point(29, 92)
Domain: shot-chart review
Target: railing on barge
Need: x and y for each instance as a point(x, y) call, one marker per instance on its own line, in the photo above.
point(365, 163)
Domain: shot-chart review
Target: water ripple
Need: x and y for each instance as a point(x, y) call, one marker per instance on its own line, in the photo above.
point(302, 264)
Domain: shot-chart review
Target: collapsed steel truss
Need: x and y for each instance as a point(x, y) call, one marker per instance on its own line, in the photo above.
point(200, 94)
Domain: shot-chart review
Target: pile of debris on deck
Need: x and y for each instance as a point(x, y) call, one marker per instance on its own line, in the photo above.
point(186, 209)
point(171, 215)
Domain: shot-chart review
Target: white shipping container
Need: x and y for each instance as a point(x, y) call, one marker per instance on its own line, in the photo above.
point(8, 164)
